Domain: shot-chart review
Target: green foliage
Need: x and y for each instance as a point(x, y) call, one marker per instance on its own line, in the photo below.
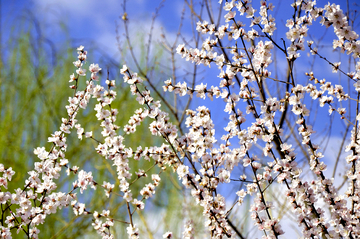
point(34, 90)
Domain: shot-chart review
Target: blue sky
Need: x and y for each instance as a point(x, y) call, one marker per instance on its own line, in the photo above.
point(91, 20)
point(93, 23)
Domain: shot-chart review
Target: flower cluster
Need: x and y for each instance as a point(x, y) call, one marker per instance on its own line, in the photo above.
point(302, 194)
point(29, 206)
point(256, 151)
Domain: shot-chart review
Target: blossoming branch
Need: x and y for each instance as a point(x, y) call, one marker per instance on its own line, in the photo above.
point(214, 168)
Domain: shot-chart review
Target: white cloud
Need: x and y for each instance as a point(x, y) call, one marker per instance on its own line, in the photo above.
point(80, 8)
point(95, 20)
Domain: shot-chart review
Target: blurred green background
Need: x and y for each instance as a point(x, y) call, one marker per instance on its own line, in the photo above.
point(34, 89)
